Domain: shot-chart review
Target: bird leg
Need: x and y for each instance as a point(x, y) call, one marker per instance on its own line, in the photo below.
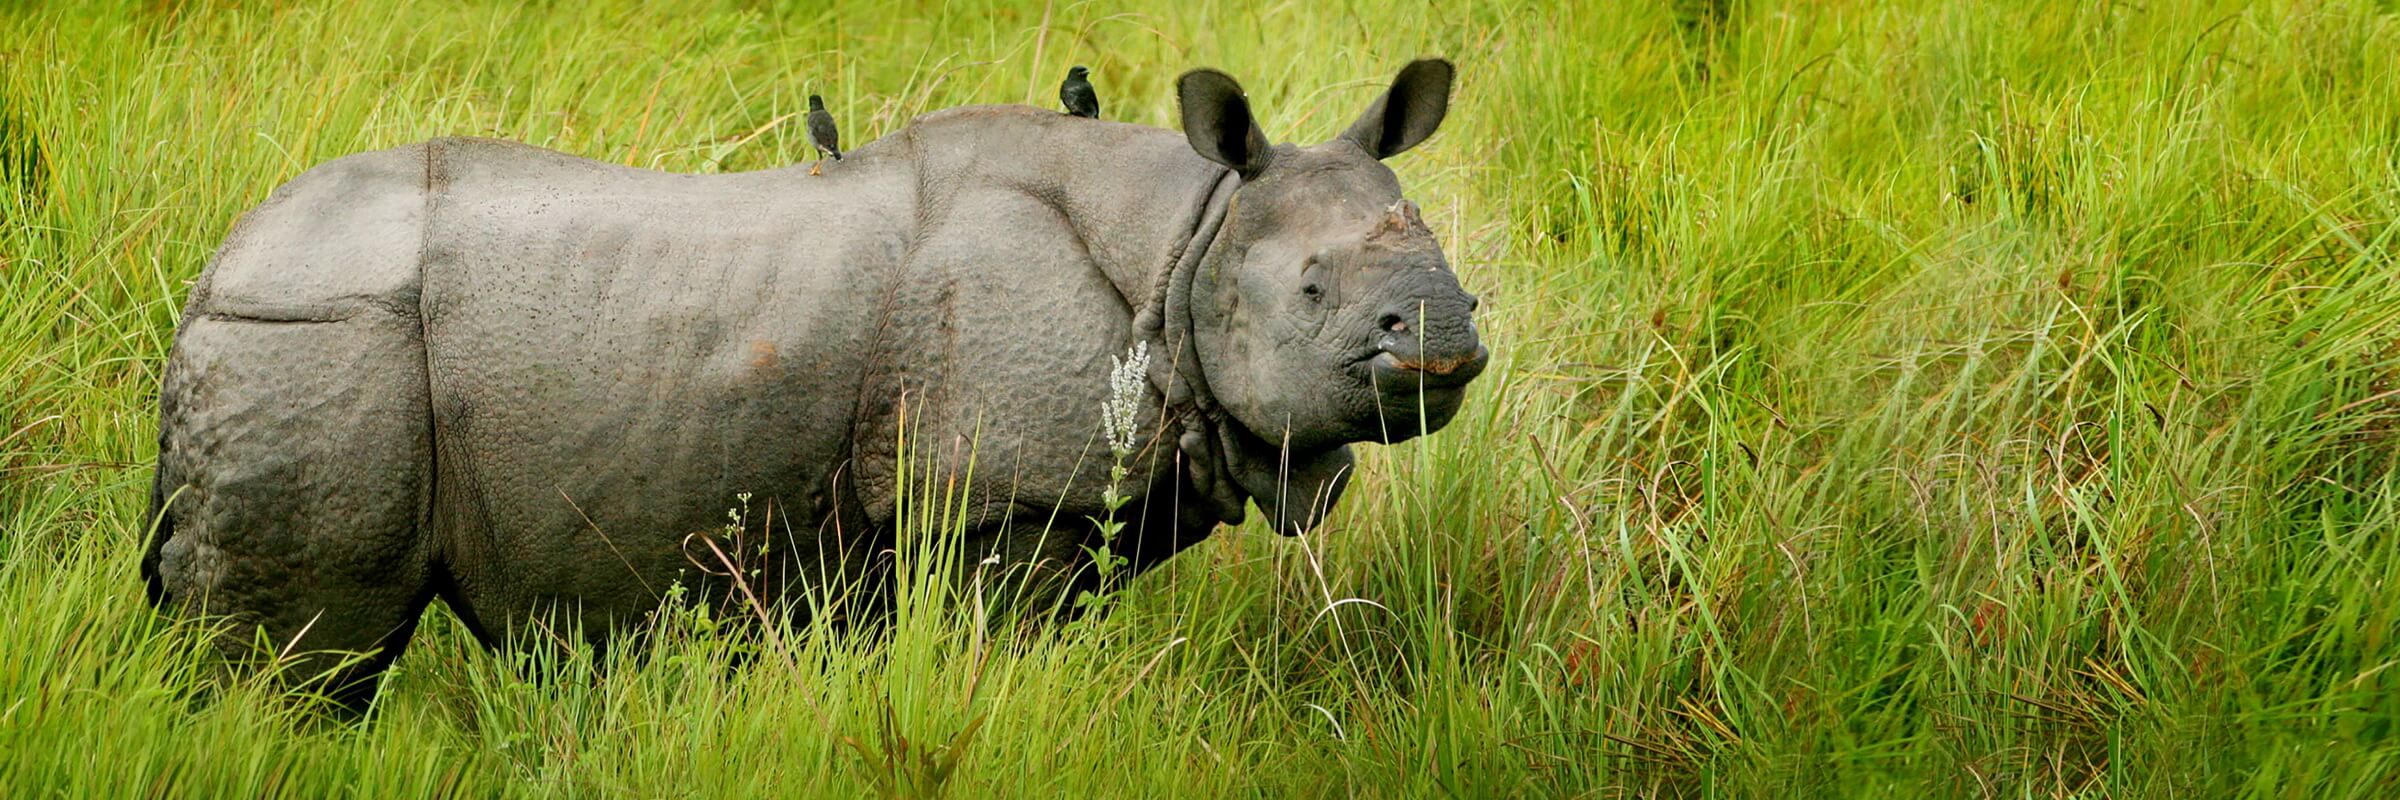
point(817, 168)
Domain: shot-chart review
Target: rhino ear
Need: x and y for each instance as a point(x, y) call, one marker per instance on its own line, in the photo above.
point(1218, 121)
point(1406, 114)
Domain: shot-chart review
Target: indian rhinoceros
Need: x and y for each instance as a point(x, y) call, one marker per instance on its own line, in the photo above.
point(519, 381)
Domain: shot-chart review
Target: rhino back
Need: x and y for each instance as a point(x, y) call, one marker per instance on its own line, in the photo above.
point(616, 354)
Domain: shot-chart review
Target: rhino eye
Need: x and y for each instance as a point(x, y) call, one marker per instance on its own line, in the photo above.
point(1313, 292)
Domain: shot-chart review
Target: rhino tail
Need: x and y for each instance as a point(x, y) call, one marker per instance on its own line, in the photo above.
point(162, 528)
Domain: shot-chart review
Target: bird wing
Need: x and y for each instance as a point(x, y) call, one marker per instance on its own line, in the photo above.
point(822, 133)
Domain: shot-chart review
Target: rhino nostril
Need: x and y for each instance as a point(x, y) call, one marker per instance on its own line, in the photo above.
point(1393, 323)
point(1473, 303)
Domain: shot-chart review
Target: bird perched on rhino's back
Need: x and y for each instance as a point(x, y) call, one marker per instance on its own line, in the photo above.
point(822, 133)
point(1076, 93)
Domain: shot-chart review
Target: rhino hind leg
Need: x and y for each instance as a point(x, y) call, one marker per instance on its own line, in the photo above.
point(294, 469)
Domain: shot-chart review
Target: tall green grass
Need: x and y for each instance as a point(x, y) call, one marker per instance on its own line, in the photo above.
point(1966, 398)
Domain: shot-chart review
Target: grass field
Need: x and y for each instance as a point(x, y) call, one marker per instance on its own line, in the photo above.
point(1966, 399)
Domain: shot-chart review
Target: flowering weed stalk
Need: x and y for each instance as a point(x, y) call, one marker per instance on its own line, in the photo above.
point(1119, 421)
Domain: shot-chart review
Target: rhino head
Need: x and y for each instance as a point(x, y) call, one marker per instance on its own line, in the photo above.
point(1323, 312)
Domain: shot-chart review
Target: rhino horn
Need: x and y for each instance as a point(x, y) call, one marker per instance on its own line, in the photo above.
point(1401, 218)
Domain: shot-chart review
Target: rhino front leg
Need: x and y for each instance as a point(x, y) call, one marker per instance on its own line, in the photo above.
point(293, 464)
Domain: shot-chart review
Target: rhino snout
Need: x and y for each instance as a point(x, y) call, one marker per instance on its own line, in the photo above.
point(1426, 343)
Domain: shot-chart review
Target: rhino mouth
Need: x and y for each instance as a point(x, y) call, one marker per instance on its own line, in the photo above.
point(1414, 397)
point(1390, 369)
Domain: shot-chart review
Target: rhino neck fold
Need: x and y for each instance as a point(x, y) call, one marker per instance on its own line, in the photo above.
point(1165, 318)
point(1227, 464)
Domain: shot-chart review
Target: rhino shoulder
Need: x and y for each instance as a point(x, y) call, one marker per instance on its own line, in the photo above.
point(340, 239)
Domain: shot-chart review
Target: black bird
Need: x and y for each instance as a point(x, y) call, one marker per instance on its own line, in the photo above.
point(1076, 93)
point(822, 133)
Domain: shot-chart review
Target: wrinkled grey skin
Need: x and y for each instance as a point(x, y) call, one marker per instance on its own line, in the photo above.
point(520, 381)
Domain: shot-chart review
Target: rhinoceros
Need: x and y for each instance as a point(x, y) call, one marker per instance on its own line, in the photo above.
point(520, 381)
